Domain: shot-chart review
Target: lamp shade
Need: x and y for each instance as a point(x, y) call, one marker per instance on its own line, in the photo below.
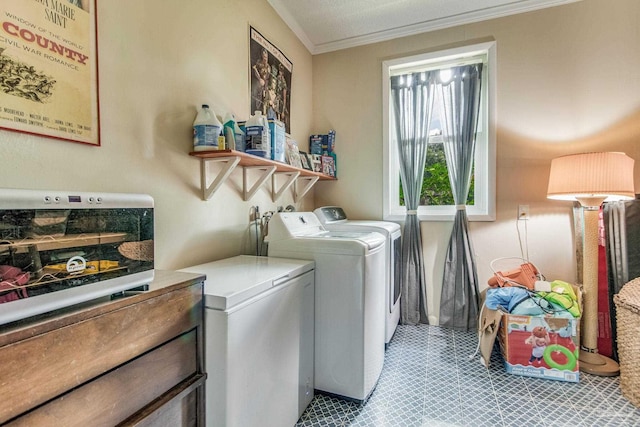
point(606, 175)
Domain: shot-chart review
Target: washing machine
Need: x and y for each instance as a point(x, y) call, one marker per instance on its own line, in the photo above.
point(349, 299)
point(334, 218)
point(258, 340)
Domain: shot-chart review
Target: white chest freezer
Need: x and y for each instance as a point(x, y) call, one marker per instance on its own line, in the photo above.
point(259, 344)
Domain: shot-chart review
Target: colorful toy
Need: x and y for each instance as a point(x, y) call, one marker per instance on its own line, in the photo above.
point(571, 357)
point(539, 340)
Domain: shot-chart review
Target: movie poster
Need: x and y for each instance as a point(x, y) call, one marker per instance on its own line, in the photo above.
point(270, 79)
point(48, 69)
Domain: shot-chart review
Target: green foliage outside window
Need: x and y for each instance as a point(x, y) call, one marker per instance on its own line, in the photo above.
point(436, 190)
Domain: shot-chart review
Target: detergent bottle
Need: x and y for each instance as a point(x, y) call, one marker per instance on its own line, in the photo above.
point(229, 131)
point(258, 139)
point(239, 136)
point(234, 135)
point(206, 129)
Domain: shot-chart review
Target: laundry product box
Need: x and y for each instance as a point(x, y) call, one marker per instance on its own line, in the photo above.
point(321, 144)
point(278, 138)
point(545, 346)
point(315, 144)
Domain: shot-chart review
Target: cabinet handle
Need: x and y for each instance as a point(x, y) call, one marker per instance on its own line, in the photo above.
point(280, 280)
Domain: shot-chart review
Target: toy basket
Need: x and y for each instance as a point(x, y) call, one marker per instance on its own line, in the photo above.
point(627, 303)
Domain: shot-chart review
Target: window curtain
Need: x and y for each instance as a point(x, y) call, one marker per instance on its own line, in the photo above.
point(412, 96)
point(615, 231)
point(622, 235)
point(460, 108)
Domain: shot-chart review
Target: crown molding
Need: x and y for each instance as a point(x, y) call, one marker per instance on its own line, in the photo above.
point(512, 8)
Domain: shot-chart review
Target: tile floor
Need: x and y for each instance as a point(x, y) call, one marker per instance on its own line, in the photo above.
point(428, 380)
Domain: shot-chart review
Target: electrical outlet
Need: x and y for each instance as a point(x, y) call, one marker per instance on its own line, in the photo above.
point(523, 212)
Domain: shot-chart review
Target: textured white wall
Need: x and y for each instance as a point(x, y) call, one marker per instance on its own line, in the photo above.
point(158, 61)
point(567, 83)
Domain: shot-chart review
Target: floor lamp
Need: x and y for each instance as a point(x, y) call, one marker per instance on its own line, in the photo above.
point(591, 179)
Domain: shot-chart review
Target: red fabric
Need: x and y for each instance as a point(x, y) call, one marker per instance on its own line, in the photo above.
point(10, 278)
point(9, 296)
point(605, 342)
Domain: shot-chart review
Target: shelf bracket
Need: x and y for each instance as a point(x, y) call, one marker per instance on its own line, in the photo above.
point(229, 165)
point(267, 171)
point(292, 176)
point(310, 181)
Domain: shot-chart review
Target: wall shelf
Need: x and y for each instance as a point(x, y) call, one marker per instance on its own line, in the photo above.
point(301, 179)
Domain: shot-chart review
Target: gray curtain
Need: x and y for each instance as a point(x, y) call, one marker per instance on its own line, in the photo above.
point(460, 108)
point(616, 241)
point(412, 96)
point(622, 235)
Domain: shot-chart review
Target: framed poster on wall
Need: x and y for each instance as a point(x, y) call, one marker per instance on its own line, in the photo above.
point(270, 79)
point(49, 69)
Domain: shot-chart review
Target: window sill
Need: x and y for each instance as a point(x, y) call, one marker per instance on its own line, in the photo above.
point(442, 217)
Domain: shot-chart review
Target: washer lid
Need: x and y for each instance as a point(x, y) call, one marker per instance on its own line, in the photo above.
point(370, 239)
point(234, 280)
point(384, 227)
point(334, 218)
point(329, 242)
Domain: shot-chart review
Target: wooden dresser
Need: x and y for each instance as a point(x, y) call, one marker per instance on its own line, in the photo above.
point(133, 360)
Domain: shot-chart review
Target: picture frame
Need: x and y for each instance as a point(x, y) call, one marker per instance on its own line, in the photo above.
point(316, 162)
point(294, 160)
point(292, 153)
point(306, 162)
point(328, 166)
point(271, 73)
point(49, 87)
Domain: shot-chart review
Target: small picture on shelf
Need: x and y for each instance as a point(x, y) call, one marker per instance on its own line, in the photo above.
point(292, 154)
point(316, 162)
point(304, 159)
point(328, 166)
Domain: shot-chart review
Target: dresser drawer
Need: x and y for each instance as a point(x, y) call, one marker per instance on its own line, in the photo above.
point(117, 395)
point(40, 368)
point(182, 406)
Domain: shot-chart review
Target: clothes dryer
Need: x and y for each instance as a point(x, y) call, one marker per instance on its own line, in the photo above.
point(335, 219)
point(349, 299)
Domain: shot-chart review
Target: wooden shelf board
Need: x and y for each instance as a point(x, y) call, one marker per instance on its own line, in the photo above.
point(251, 160)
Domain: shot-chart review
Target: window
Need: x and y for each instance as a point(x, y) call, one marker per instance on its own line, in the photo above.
point(436, 200)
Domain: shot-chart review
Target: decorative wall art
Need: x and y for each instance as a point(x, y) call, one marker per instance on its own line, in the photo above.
point(305, 160)
point(270, 79)
point(49, 69)
point(292, 153)
point(328, 166)
point(316, 162)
